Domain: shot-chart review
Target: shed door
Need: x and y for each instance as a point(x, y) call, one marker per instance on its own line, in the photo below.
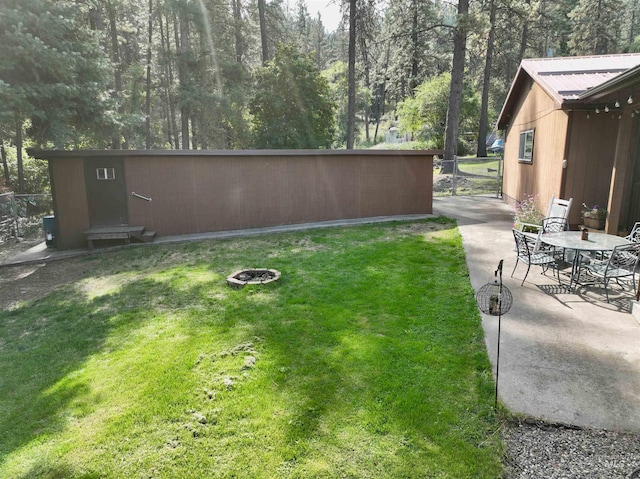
point(106, 191)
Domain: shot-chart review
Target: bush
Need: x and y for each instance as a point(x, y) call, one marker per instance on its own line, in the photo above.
point(36, 174)
point(526, 211)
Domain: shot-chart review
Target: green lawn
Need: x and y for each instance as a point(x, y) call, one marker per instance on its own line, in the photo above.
point(487, 167)
point(366, 360)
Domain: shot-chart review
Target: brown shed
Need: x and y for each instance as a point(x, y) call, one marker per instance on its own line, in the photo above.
point(572, 130)
point(174, 192)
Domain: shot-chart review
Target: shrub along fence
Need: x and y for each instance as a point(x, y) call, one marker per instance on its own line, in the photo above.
point(21, 215)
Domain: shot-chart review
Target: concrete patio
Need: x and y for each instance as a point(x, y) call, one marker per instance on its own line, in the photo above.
point(565, 357)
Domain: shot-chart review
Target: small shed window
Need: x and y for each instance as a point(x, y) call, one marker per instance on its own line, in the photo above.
point(525, 152)
point(106, 173)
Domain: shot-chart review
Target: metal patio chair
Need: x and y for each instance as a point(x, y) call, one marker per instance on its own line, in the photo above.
point(622, 263)
point(554, 224)
point(635, 233)
point(525, 248)
point(559, 208)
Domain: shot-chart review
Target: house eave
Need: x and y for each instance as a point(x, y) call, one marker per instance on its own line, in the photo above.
point(628, 79)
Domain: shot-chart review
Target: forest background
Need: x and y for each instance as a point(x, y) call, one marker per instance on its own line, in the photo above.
point(243, 74)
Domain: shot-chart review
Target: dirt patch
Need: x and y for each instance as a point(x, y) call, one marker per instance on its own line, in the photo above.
point(30, 282)
point(443, 183)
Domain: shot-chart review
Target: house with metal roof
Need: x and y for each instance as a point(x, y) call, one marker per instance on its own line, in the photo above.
point(572, 130)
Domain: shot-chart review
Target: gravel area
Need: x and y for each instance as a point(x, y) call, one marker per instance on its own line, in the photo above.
point(534, 450)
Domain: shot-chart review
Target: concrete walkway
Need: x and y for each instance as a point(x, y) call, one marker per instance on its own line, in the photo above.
point(564, 357)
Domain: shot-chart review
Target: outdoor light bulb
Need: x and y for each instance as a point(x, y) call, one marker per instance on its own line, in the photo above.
point(606, 109)
point(597, 110)
point(617, 104)
point(629, 100)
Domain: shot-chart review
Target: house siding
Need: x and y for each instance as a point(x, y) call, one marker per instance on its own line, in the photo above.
point(590, 157)
point(543, 176)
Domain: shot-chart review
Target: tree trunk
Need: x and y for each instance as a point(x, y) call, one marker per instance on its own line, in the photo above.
point(367, 84)
point(413, 81)
point(147, 106)
point(484, 108)
point(455, 96)
point(380, 112)
point(185, 47)
point(5, 165)
point(263, 31)
point(117, 73)
point(237, 26)
point(172, 124)
point(19, 157)
point(195, 138)
point(351, 95)
point(524, 38)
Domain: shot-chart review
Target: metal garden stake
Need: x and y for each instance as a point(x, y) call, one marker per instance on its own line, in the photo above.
point(495, 299)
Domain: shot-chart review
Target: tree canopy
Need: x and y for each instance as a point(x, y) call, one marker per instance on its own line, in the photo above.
point(53, 74)
point(204, 73)
point(424, 115)
point(292, 106)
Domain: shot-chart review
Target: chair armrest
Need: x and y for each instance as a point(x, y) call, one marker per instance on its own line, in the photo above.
point(532, 226)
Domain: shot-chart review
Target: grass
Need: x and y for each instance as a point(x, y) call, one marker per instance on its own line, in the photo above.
point(366, 360)
point(486, 167)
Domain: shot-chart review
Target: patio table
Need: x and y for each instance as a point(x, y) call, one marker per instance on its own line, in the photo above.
point(572, 240)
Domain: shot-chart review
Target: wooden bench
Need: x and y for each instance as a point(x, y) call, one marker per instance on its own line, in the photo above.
point(115, 233)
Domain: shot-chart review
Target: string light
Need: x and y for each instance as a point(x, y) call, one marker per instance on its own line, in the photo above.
point(597, 111)
point(606, 108)
point(629, 100)
point(588, 116)
point(617, 104)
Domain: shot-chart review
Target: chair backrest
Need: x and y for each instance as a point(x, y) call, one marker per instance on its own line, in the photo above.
point(524, 245)
point(554, 224)
point(559, 208)
point(635, 233)
point(625, 257)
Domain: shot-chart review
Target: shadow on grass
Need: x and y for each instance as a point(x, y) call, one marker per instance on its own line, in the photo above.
point(48, 471)
point(44, 344)
point(381, 353)
point(363, 341)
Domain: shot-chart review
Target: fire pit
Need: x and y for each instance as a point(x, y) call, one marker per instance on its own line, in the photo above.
point(241, 278)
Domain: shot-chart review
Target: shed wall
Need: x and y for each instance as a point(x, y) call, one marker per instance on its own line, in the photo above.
point(200, 192)
point(70, 202)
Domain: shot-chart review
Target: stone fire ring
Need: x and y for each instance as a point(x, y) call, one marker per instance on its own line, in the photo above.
point(241, 278)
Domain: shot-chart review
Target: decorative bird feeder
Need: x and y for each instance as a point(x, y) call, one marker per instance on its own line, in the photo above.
point(495, 299)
